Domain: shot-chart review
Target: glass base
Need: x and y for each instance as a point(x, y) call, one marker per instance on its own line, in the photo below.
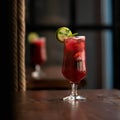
point(38, 73)
point(73, 98)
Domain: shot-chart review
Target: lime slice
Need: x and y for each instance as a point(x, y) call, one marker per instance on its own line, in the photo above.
point(62, 33)
point(32, 36)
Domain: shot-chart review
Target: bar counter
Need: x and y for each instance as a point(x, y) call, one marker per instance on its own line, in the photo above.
point(101, 104)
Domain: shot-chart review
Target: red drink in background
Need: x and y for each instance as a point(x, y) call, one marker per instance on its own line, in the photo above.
point(38, 51)
point(74, 60)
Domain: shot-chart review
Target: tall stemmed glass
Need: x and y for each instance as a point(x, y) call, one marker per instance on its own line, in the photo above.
point(74, 64)
point(38, 56)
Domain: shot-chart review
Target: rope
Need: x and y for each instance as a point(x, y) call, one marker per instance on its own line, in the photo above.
point(17, 44)
point(13, 44)
point(21, 45)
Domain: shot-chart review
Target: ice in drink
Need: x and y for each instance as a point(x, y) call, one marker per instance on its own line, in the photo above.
point(74, 62)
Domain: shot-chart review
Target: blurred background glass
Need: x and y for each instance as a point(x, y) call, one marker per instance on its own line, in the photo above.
point(92, 18)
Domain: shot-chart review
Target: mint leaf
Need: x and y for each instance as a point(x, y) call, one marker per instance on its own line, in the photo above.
point(74, 34)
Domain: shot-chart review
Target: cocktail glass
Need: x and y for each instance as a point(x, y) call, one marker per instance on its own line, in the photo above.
point(38, 56)
point(74, 64)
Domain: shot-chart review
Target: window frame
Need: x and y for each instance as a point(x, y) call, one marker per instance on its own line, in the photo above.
point(114, 28)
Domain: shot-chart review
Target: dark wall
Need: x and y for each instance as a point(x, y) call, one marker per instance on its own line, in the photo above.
point(4, 52)
point(5, 99)
point(117, 44)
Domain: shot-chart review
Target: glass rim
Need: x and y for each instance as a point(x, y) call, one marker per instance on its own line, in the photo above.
point(82, 37)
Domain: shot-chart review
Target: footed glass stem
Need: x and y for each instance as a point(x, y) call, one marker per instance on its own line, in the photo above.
point(74, 95)
point(38, 73)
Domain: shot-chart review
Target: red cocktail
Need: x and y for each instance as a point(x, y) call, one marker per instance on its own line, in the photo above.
point(74, 63)
point(38, 55)
point(38, 51)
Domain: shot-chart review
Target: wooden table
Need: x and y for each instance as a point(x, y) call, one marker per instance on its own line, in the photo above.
point(48, 105)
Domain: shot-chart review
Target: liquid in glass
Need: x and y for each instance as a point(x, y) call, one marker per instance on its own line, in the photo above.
point(74, 64)
point(38, 55)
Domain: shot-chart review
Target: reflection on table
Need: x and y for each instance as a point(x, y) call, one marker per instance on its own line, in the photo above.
point(48, 105)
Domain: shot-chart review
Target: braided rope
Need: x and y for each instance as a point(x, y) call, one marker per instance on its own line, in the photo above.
point(13, 44)
point(21, 45)
point(17, 44)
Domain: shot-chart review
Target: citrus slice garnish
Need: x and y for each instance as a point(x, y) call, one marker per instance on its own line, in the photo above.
point(62, 33)
point(32, 36)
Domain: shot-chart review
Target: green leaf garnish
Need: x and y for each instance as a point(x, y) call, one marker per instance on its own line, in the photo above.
point(74, 34)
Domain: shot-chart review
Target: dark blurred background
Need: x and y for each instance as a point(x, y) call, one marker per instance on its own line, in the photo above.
point(98, 20)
